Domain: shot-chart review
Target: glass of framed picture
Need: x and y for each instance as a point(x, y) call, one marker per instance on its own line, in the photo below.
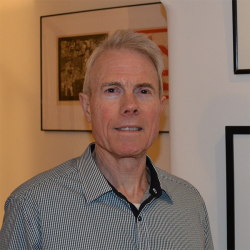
point(67, 41)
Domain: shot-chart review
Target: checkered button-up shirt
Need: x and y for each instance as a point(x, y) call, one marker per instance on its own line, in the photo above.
point(74, 207)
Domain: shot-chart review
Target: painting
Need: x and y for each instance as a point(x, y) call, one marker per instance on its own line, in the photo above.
point(67, 41)
point(238, 186)
point(73, 53)
point(241, 36)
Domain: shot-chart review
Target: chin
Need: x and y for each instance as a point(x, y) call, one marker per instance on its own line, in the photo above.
point(129, 151)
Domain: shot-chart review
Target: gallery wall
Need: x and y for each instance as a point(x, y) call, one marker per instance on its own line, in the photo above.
point(205, 96)
point(25, 150)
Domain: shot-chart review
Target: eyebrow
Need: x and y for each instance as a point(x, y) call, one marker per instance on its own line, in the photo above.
point(110, 84)
point(118, 84)
point(145, 85)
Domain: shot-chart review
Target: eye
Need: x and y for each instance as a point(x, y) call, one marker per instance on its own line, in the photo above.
point(111, 90)
point(144, 91)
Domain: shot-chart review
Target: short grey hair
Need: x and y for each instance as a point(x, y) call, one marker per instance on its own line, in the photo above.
point(126, 39)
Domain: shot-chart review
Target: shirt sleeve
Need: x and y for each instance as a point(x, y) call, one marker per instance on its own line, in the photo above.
point(21, 225)
point(208, 236)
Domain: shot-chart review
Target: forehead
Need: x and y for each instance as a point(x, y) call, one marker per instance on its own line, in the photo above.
point(124, 63)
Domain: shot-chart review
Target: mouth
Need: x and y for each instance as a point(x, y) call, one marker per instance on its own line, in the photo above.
point(129, 129)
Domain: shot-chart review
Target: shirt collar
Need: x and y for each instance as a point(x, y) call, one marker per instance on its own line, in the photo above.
point(158, 180)
point(95, 185)
point(93, 182)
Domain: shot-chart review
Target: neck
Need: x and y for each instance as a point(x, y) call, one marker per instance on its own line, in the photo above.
point(127, 175)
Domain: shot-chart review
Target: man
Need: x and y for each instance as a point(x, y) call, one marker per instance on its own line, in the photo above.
point(112, 197)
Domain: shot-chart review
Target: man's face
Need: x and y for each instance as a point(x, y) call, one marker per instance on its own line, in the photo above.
point(124, 107)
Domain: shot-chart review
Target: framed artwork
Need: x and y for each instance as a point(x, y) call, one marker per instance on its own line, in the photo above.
point(241, 36)
point(238, 186)
point(67, 41)
point(73, 52)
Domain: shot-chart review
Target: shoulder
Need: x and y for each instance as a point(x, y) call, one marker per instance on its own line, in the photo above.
point(177, 187)
point(187, 202)
point(45, 179)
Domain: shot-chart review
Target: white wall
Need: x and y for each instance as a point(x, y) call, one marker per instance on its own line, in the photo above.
point(25, 150)
point(205, 96)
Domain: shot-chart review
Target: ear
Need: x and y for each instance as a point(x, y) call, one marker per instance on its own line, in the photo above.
point(162, 102)
point(85, 103)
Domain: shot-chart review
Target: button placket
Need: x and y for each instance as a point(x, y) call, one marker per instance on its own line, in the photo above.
point(142, 234)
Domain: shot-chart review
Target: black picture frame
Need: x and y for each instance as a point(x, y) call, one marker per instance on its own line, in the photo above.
point(236, 46)
point(59, 112)
point(230, 180)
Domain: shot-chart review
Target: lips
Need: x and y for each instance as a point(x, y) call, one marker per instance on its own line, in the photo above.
point(129, 129)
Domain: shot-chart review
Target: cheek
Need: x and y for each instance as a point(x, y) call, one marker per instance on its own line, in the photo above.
point(102, 123)
point(103, 115)
point(153, 115)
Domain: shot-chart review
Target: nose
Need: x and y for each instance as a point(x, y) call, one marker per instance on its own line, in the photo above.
point(129, 104)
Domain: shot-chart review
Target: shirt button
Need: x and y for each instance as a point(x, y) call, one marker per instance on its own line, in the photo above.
point(155, 191)
point(139, 218)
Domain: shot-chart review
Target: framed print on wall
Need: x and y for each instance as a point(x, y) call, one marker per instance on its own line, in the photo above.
point(238, 187)
point(67, 41)
point(241, 36)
